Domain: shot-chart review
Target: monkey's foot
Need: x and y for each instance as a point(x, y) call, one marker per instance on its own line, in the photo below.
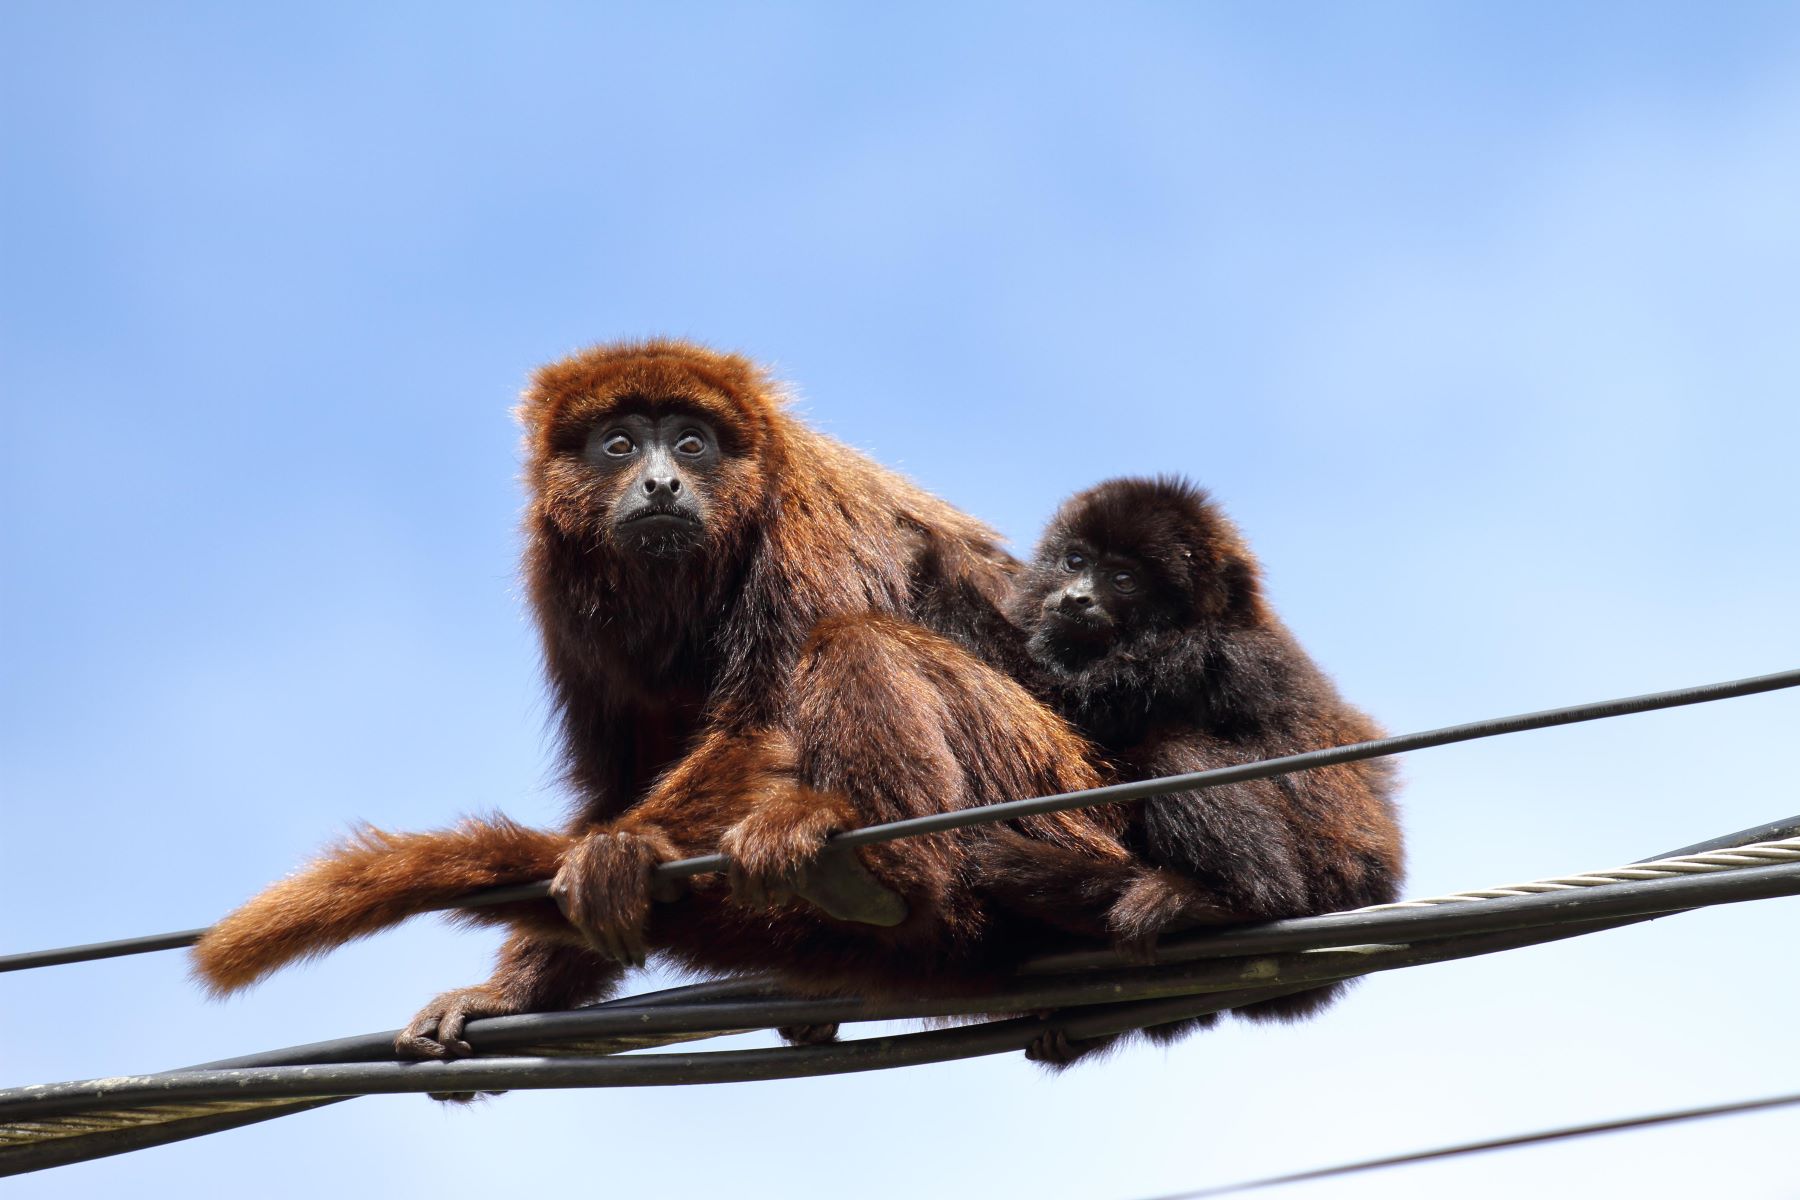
point(436, 1032)
point(779, 852)
point(1056, 1049)
point(463, 1097)
point(604, 888)
point(1157, 902)
point(809, 1035)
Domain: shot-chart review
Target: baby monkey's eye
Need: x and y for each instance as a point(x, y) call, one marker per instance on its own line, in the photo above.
point(690, 443)
point(1124, 581)
point(617, 445)
point(1074, 560)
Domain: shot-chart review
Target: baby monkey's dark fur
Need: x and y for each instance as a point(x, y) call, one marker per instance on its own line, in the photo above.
point(1141, 619)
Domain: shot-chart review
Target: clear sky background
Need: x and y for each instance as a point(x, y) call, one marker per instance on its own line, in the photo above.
point(1481, 319)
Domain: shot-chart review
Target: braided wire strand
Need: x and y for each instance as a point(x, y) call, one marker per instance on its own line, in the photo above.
point(1759, 854)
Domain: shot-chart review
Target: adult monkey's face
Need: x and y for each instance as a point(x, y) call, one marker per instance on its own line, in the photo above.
point(658, 464)
point(650, 452)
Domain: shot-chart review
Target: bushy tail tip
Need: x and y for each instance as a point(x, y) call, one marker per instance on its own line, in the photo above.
point(370, 881)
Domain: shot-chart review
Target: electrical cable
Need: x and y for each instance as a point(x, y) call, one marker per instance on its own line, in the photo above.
point(1013, 809)
point(1734, 1108)
point(49, 1125)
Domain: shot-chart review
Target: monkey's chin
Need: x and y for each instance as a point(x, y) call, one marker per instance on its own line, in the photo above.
point(661, 535)
point(1068, 648)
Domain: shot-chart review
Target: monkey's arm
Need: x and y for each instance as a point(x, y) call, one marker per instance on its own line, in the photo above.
point(885, 720)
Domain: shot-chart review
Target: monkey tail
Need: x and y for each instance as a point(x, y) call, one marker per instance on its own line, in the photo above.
point(370, 881)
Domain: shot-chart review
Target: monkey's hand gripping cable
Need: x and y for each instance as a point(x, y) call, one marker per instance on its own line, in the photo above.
point(1081, 994)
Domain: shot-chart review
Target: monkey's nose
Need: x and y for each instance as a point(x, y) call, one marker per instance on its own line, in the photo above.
point(1077, 600)
point(667, 483)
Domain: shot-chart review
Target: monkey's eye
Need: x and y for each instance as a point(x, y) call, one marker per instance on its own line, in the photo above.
point(1074, 560)
point(690, 443)
point(617, 445)
point(1124, 581)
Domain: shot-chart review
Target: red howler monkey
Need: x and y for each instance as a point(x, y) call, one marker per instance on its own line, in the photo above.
point(1143, 622)
point(751, 633)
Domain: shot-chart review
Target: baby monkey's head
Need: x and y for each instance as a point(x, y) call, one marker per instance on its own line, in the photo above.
point(1128, 567)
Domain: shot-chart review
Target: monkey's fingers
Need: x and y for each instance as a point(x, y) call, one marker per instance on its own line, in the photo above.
point(604, 889)
point(762, 889)
point(632, 942)
point(618, 943)
point(838, 883)
point(808, 1035)
point(771, 849)
point(747, 888)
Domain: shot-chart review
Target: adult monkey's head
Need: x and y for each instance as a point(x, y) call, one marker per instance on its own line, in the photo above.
point(651, 451)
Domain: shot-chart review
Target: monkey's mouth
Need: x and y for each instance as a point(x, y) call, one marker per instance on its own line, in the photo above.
point(1079, 625)
point(661, 517)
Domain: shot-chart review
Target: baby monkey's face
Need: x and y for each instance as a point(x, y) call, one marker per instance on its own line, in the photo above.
point(1082, 599)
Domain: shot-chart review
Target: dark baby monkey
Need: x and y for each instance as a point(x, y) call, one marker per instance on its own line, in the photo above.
point(1143, 623)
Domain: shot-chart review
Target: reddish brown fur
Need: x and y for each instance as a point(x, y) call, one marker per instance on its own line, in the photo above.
point(804, 669)
point(371, 880)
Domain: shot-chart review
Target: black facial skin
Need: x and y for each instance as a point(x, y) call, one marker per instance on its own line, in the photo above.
point(659, 466)
point(1094, 600)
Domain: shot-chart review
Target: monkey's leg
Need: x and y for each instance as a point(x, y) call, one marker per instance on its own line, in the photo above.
point(873, 740)
point(891, 721)
point(1157, 901)
point(1067, 889)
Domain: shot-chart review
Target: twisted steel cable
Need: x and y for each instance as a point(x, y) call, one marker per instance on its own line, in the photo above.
point(1761, 854)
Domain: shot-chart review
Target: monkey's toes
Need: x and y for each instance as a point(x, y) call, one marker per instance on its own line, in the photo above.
point(1055, 1049)
point(463, 1097)
point(809, 1035)
point(436, 1031)
point(1154, 903)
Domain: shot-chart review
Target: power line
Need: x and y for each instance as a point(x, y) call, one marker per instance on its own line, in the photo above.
point(49, 1125)
point(1735, 1108)
point(1082, 994)
point(1156, 996)
point(1110, 794)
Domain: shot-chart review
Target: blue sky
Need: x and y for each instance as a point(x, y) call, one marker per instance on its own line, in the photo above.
point(1479, 318)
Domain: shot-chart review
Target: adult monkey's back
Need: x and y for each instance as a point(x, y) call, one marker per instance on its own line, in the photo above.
point(731, 607)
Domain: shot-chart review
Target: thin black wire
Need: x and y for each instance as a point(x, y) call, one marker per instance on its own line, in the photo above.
point(1736, 1108)
point(1014, 809)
